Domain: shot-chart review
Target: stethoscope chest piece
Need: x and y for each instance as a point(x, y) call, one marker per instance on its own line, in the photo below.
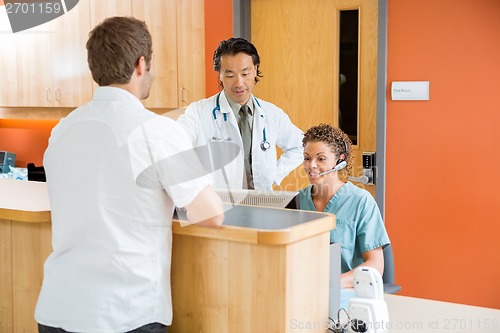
point(264, 145)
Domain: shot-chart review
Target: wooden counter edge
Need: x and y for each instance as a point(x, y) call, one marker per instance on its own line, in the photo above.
point(25, 216)
point(232, 233)
point(237, 234)
point(258, 236)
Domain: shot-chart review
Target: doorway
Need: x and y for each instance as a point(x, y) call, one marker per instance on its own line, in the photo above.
point(300, 45)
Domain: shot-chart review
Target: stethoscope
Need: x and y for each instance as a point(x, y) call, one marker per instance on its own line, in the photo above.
point(264, 145)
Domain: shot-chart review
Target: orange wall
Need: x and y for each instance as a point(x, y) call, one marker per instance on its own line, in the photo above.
point(442, 154)
point(26, 138)
point(218, 26)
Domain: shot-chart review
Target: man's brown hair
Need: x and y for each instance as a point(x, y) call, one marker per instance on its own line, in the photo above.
point(114, 48)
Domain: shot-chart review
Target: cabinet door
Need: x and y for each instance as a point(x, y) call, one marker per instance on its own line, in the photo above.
point(160, 16)
point(9, 90)
point(34, 48)
point(177, 28)
point(52, 62)
point(100, 10)
point(191, 50)
point(72, 81)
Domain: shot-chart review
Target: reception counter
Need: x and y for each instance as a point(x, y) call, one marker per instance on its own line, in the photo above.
point(262, 271)
point(25, 243)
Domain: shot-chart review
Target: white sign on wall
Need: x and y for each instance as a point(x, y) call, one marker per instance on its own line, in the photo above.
point(410, 91)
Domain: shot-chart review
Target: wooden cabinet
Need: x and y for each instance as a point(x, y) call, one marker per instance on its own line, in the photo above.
point(71, 75)
point(191, 50)
point(9, 93)
point(177, 28)
point(48, 63)
point(160, 16)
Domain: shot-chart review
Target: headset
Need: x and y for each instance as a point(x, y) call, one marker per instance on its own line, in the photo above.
point(341, 163)
point(264, 145)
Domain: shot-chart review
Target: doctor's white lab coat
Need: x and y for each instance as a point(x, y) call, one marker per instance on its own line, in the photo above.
point(203, 128)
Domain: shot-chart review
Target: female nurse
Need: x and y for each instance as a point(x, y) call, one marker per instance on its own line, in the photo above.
point(359, 226)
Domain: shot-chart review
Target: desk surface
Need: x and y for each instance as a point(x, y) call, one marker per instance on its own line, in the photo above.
point(28, 201)
point(262, 225)
point(24, 195)
point(416, 315)
point(264, 218)
point(24, 201)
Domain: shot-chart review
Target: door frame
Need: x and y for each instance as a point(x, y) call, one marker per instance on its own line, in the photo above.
point(380, 156)
point(242, 28)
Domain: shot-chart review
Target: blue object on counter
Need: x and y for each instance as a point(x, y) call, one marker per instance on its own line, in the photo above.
point(15, 173)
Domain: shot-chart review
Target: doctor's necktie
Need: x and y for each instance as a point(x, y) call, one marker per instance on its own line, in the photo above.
point(246, 136)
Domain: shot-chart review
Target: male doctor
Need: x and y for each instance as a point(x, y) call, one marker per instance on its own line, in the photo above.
point(234, 118)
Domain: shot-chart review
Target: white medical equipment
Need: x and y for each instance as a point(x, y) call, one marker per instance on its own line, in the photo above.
point(368, 309)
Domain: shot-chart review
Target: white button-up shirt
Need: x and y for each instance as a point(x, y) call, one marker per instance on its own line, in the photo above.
point(112, 190)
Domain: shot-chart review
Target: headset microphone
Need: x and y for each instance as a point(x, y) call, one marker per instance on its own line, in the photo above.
point(340, 165)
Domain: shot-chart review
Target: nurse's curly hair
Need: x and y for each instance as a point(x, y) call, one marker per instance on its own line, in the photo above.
point(337, 140)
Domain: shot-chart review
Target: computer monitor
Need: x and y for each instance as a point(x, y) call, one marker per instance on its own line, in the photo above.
point(277, 199)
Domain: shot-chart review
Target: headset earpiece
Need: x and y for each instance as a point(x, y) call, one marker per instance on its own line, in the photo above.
point(340, 165)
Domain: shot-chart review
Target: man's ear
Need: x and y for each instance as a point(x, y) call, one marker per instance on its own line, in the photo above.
point(219, 80)
point(141, 66)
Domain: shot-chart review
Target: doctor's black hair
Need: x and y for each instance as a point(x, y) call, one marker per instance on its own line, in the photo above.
point(233, 46)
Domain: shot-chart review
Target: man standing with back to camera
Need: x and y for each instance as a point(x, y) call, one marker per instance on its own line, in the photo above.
point(112, 186)
point(235, 116)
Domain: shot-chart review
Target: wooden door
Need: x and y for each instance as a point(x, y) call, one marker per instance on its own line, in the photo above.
point(298, 42)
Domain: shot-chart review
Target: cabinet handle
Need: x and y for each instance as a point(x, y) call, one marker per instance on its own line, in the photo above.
point(47, 95)
point(57, 92)
point(183, 100)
